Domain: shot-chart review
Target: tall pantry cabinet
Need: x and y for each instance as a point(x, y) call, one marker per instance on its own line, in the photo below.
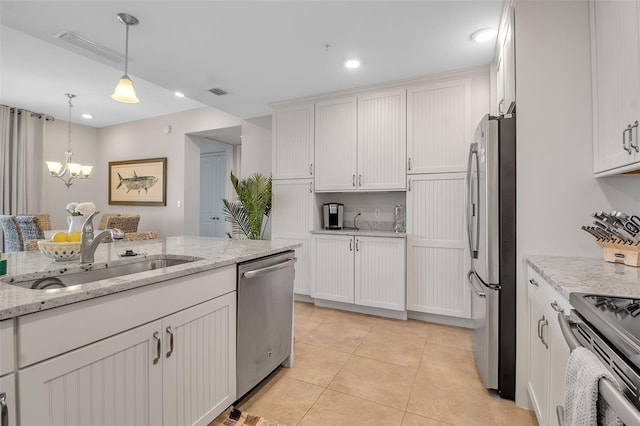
point(441, 118)
point(293, 186)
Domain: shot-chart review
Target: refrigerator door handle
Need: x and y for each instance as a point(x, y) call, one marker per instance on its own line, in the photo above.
point(473, 242)
point(473, 287)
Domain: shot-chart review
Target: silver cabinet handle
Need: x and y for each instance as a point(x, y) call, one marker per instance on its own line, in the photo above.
point(156, 336)
point(409, 163)
point(359, 180)
point(545, 323)
point(409, 185)
point(4, 419)
point(556, 307)
point(636, 147)
point(533, 282)
point(310, 169)
point(351, 245)
point(310, 187)
point(353, 180)
point(539, 332)
point(500, 106)
point(170, 333)
point(268, 269)
point(357, 245)
point(624, 140)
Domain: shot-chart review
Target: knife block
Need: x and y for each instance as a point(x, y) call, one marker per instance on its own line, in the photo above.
point(621, 253)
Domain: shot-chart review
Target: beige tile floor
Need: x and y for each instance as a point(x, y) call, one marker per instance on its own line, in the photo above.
point(353, 369)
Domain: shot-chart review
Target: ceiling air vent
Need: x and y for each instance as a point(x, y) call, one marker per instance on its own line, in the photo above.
point(217, 91)
point(89, 46)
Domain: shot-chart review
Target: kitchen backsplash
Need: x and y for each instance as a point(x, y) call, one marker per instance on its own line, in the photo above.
point(377, 208)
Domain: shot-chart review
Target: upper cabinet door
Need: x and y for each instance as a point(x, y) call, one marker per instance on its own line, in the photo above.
point(293, 142)
point(616, 86)
point(382, 136)
point(335, 145)
point(439, 127)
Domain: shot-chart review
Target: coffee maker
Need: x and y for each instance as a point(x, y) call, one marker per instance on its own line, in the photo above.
point(333, 215)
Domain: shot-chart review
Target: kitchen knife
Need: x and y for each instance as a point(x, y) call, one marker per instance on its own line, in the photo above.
point(592, 232)
point(612, 224)
point(612, 232)
point(630, 224)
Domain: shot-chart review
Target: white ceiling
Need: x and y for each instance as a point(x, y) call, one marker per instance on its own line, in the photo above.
point(258, 51)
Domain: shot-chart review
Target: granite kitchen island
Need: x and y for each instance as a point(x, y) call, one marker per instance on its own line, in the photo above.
point(154, 347)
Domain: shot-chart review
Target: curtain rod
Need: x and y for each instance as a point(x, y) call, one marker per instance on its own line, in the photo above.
point(33, 114)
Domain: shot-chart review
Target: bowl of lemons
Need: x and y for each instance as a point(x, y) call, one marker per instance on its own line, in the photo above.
point(62, 246)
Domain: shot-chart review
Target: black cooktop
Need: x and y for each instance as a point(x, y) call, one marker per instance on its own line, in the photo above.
point(617, 319)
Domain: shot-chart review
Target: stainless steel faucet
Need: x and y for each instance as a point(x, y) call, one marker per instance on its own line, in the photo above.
point(89, 244)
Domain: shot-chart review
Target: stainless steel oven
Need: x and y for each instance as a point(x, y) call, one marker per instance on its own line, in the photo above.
point(608, 327)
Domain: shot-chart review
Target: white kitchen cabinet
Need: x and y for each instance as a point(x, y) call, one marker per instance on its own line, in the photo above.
point(336, 145)
point(8, 398)
point(615, 55)
point(367, 271)
point(548, 351)
point(380, 272)
point(177, 369)
point(437, 259)
point(382, 136)
point(505, 66)
point(335, 268)
point(292, 221)
point(439, 126)
point(293, 137)
point(361, 142)
point(6, 347)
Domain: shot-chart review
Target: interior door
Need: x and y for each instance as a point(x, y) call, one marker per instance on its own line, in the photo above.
point(213, 172)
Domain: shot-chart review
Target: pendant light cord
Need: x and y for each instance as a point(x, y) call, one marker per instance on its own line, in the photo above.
point(126, 52)
point(70, 96)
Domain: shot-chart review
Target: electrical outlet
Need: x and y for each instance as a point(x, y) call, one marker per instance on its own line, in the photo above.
point(377, 212)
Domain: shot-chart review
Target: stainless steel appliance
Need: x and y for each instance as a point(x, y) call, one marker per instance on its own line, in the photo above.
point(333, 215)
point(491, 226)
point(609, 327)
point(265, 318)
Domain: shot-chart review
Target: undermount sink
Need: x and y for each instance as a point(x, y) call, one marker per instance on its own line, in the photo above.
point(91, 275)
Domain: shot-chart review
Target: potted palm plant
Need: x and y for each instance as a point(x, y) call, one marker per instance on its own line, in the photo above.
point(250, 214)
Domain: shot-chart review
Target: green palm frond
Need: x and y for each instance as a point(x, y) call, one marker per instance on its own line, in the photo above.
point(248, 215)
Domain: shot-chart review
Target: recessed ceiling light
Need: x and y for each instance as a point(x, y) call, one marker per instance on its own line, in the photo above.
point(179, 94)
point(87, 116)
point(352, 63)
point(484, 34)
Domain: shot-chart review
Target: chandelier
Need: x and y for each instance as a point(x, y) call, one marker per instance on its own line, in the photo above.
point(69, 170)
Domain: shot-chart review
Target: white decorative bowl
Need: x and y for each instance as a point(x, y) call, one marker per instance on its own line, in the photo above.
point(60, 252)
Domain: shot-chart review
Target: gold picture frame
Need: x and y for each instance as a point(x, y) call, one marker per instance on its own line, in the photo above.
point(138, 182)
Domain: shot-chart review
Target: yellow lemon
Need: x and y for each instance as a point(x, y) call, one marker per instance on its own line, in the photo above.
point(59, 237)
point(73, 237)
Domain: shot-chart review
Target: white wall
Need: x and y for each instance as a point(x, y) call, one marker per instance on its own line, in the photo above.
point(556, 190)
point(146, 139)
point(84, 145)
point(256, 146)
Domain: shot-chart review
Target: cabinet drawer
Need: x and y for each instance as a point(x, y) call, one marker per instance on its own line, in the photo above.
point(545, 293)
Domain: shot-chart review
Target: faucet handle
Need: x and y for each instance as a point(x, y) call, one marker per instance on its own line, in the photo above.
point(87, 225)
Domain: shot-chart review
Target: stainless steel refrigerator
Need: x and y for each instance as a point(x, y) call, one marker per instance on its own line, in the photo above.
point(491, 226)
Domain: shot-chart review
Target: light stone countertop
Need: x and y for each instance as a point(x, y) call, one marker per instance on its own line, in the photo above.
point(213, 253)
point(361, 232)
point(584, 275)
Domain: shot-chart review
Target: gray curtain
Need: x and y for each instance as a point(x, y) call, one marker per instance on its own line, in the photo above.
point(21, 160)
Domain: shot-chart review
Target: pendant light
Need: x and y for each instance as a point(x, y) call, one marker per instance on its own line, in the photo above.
point(69, 170)
point(124, 90)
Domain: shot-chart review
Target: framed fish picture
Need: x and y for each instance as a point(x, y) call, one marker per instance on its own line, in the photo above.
point(138, 182)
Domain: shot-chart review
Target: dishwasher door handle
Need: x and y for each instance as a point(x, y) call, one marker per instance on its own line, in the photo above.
point(269, 269)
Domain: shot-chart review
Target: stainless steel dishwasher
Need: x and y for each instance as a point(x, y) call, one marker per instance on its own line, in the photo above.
point(265, 318)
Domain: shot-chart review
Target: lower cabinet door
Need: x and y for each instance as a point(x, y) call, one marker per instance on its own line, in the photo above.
point(334, 268)
point(538, 384)
point(380, 272)
point(116, 381)
point(8, 388)
point(199, 351)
